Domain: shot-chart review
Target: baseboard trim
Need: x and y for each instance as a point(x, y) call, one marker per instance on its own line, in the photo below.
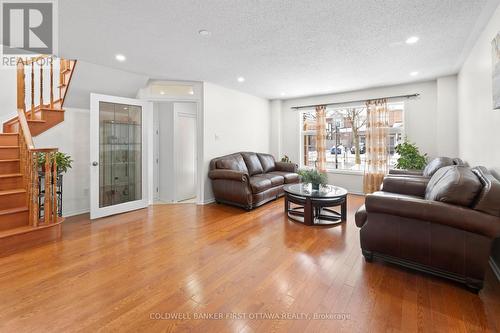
point(494, 268)
point(206, 202)
point(77, 212)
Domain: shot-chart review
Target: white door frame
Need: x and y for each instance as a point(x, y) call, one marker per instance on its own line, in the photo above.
point(195, 116)
point(146, 114)
point(199, 143)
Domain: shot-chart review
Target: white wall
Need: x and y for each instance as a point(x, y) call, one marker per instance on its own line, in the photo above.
point(90, 78)
point(72, 137)
point(479, 134)
point(421, 121)
point(233, 121)
point(478, 123)
point(447, 116)
point(8, 93)
point(166, 151)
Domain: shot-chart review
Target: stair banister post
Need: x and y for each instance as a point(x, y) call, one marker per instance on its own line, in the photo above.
point(51, 82)
point(41, 59)
point(21, 88)
point(32, 116)
point(47, 211)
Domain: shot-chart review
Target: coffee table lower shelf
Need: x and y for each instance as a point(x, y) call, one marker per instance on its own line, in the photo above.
point(313, 211)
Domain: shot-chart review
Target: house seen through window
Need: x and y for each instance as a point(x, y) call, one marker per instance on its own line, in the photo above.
point(346, 136)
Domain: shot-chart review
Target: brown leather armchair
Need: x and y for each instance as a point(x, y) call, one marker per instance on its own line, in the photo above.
point(249, 179)
point(430, 169)
point(445, 226)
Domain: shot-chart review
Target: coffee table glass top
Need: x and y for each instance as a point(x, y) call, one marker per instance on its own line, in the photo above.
point(325, 191)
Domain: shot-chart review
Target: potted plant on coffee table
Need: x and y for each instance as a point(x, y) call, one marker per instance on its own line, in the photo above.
point(314, 177)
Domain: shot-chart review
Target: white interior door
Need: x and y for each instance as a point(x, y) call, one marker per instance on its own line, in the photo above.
point(185, 150)
point(118, 155)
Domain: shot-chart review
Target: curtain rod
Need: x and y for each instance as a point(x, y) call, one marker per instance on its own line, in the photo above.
point(347, 102)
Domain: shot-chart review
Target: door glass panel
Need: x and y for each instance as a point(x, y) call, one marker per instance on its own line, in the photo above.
point(120, 153)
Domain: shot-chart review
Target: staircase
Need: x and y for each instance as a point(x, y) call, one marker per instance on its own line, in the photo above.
point(28, 206)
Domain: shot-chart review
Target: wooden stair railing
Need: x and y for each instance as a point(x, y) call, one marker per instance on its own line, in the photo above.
point(42, 86)
point(31, 169)
point(29, 212)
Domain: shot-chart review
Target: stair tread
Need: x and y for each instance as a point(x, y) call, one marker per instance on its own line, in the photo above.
point(8, 147)
point(13, 210)
point(10, 160)
point(14, 191)
point(1, 134)
point(36, 121)
point(52, 109)
point(15, 231)
point(10, 175)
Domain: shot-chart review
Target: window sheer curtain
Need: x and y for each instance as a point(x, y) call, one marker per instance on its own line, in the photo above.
point(321, 138)
point(377, 140)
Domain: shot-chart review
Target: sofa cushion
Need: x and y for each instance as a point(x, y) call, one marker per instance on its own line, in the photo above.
point(260, 184)
point(435, 165)
point(232, 162)
point(267, 162)
point(454, 184)
point(488, 200)
point(275, 179)
point(290, 177)
point(253, 163)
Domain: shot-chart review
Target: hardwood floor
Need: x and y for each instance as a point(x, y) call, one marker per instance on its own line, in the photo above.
point(117, 273)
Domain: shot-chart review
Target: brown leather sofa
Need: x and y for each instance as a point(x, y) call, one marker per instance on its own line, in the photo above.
point(248, 179)
point(445, 226)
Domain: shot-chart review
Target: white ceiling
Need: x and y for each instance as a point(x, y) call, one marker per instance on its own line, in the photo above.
point(280, 46)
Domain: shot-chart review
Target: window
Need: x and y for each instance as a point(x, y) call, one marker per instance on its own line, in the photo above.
point(345, 136)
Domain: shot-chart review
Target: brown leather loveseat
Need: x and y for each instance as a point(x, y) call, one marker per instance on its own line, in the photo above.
point(445, 226)
point(248, 179)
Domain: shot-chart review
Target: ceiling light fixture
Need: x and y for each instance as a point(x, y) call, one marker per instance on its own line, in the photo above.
point(412, 40)
point(414, 73)
point(204, 32)
point(282, 94)
point(241, 79)
point(120, 57)
point(162, 92)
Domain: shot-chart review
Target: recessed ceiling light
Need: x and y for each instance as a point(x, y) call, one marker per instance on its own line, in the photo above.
point(120, 57)
point(282, 94)
point(241, 79)
point(191, 92)
point(162, 92)
point(204, 32)
point(412, 40)
point(414, 73)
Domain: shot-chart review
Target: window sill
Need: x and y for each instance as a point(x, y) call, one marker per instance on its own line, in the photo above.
point(346, 172)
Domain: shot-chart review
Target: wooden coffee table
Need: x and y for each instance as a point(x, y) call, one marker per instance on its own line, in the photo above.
point(313, 207)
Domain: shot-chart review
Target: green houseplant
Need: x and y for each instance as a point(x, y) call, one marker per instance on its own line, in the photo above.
point(410, 157)
point(63, 161)
point(314, 177)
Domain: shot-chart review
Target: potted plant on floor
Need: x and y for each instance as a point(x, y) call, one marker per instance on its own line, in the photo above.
point(314, 177)
point(410, 157)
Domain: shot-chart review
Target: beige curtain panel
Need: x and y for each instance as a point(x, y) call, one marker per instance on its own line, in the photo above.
point(377, 140)
point(321, 138)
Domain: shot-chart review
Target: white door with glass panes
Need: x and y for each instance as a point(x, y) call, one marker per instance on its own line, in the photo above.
point(118, 155)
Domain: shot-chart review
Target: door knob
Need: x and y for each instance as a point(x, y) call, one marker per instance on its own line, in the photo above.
point(95, 163)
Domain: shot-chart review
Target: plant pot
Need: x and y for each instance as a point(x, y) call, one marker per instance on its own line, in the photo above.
point(315, 186)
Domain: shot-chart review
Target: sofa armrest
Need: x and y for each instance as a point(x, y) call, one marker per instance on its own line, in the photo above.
point(405, 185)
point(406, 172)
point(228, 174)
point(433, 211)
point(286, 167)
